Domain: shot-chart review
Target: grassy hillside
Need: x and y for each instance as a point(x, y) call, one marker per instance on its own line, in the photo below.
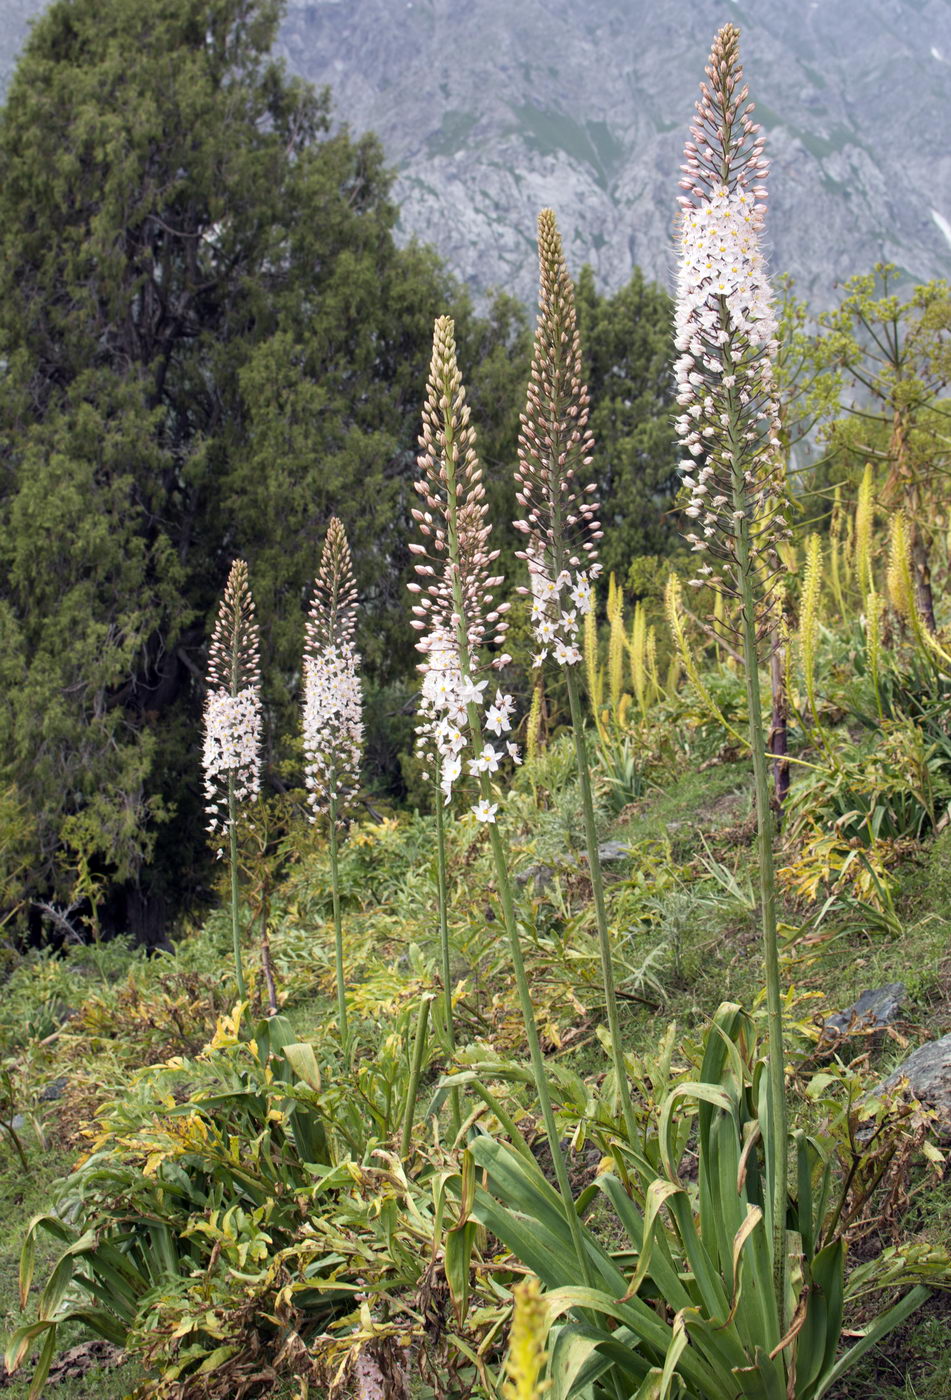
point(78, 1028)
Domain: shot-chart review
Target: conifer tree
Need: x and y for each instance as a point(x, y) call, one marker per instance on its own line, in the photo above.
point(210, 343)
point(627, 341)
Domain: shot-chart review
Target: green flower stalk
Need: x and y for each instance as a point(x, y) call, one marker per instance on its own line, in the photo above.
point(454, 595)
point(729, 430)
point(562, 531)
point(438, 742)
point(458, 618)
point(332, 714)
point(232, 750)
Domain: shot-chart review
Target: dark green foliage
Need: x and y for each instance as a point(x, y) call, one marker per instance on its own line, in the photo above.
point(628, 350)
point(212, 343)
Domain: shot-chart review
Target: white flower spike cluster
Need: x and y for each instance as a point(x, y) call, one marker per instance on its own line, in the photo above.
point(554, 449)
point(557, 605)
point(333, 694)
point(726, 329)
point(454, 596)
point(443, 735)
point(231, 756)
point(333, 726)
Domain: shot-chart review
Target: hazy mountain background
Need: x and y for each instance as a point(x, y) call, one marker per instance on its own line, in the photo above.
point(491, 109)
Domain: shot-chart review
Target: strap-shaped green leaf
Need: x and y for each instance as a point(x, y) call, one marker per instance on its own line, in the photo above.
point(663, 1270)
point(764, 1380)
point(690, 1089)
point(709, 1379)
point(658, 1194)
point(574, 1359)
point(19, 1343)
point(818, 1339)
point(47, 1352)
point(460, 1241)
point(880, 1328)
point(302, 1060)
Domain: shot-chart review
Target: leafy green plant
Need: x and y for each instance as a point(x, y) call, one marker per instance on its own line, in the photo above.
point(685, 1306)
point(7, 1115)
point(619, 769)
point(204, 1168)
point(891, 786)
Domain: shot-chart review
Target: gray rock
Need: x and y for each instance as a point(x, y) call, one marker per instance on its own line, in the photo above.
point(53, 1090)
point(872, 1011)
point(610, 851)
point(540, 875)
point(928, 1073)
point(586, 107)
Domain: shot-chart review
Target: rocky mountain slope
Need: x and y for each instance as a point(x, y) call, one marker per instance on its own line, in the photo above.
point(491, 110)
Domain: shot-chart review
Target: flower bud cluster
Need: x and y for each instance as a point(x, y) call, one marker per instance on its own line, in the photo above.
point(455, 587)
point(231, 755)
point(333, 695)
point(554, 449)
point(725, 329)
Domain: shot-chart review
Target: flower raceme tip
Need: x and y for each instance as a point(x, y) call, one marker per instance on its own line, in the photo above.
point(554, 452)
point(455, 608)
point(725, 330)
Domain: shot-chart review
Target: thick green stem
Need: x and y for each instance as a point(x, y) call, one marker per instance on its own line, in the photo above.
point(338, 924)
point(775, 1136)
point(419, 1045)
point(534, 1044)
point(235, 917)
point(441, 883)
point(597, 886)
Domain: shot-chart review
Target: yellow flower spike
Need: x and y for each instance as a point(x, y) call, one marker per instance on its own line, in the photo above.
point(672, 605)
point(901, 589)
point(864, 523)
point(526, 1358)
point(809, 618)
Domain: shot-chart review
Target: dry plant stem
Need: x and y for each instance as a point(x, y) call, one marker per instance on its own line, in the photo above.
point(441, 882)
point(235, 919)
point(268, 969)
point(419, 1046)
point(338, 925)
point(14, 1136)
point(779, 727)
point(597, 887)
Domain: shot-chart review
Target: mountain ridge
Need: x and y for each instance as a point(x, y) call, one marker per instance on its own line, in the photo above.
point(488, 114)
